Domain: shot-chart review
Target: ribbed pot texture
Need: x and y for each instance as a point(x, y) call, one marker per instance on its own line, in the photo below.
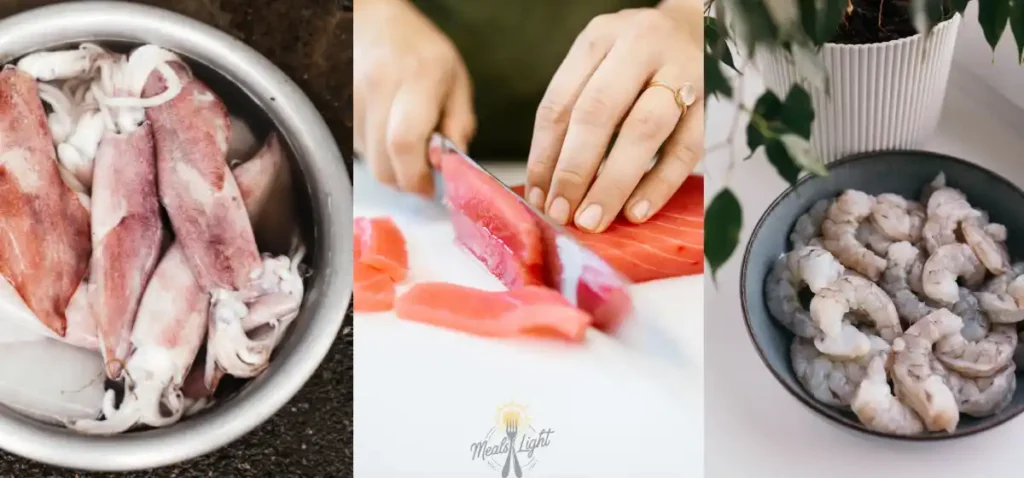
point(883, 96)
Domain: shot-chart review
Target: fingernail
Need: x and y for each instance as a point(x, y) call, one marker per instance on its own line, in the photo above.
point(640, 210)
point(590, 218)
point(559, 210)
point(536, 197)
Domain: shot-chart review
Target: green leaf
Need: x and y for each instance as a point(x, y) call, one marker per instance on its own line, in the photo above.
point(926, 13)
point(768, 107)
point(715, 38)
point(993, 16)
point(751, 17)
point(802, 153)
point(1017, 27)
point(784, 164)
point(715, 82)
point(821, 18)
point(959, 5)
point(810, 66)
point(722, 225)
point(798, 112)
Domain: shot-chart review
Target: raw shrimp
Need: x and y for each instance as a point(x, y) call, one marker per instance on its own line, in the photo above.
point(878, 409)
point(815, 266)
point(898, 219)
point(902, 257)
point(1001, 296)
point(852, 293)
point(869, 235)
point(980, 397)
point(808, 226)
point(947, 207)
point(831, 381)
point(839, 230)
point(978, 358)
point(916, 383)
point(781, 295)
point(991, 253)
point(944, 266)
point(976, 323)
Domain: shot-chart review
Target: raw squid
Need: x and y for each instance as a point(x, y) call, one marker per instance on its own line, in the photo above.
point(265, 182)
point(165, 340)
point(44, 247)
point(204, 203)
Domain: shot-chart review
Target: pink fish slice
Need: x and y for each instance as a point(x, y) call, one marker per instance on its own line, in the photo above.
point(196, 186)
point(165, 340)
point(127, 233)
point(45, 247)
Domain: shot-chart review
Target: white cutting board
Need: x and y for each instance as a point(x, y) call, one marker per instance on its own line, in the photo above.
point(425, 394)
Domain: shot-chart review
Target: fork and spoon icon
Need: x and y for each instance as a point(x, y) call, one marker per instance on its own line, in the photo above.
point(511, 430)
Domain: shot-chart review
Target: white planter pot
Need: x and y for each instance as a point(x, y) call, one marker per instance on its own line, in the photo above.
point(883, 95)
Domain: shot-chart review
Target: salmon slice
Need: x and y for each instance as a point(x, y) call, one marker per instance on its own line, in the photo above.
point(44, 228)
point(380, 244)
point(381, 261)
point(528, 311)
point(496, 229)
point(374, 289)
point(669, 244)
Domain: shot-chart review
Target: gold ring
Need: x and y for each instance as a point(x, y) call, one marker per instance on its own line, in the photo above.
point(684, 96)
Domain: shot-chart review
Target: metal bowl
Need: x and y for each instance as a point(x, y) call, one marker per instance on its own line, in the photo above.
point(258, 91)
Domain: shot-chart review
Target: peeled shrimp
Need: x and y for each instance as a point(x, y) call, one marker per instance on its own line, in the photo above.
point(808, 225)
point(991, 253)
point(944, 266)
point(898, 219)
point(947, 207)
point(916, 383)
point(869, 235)
point(852, 293)
point(815, 266)
point(981, 397)
point(1001, 296)
point(840, 228)
point(976, 323)
point(878, 409)
point(978, 358)
point(831, 381)
point(902, 258)
point(782, 287)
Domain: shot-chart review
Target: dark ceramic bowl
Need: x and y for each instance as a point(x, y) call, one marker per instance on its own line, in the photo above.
point(901, 172)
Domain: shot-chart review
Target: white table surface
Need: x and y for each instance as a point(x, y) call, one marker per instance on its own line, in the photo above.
point(754, 428)
point(423, 394)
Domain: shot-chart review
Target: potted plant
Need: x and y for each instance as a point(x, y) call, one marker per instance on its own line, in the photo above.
point(843, 76)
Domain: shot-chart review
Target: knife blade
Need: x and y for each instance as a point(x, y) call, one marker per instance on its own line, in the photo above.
point(585, 279)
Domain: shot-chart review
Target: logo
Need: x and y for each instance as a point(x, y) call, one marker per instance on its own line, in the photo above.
point(512, 445)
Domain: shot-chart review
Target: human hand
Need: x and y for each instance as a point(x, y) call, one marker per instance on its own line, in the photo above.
point(409, 81)
point(603, 79)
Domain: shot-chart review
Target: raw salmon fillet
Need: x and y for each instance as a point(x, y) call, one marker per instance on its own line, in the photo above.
point(670, 244)
point(381, 261)
point(526, 311)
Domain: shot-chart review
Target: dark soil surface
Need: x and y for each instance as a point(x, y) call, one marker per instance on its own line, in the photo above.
point(876, 21)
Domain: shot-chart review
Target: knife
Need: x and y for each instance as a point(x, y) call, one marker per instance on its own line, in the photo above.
point(585, 279)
